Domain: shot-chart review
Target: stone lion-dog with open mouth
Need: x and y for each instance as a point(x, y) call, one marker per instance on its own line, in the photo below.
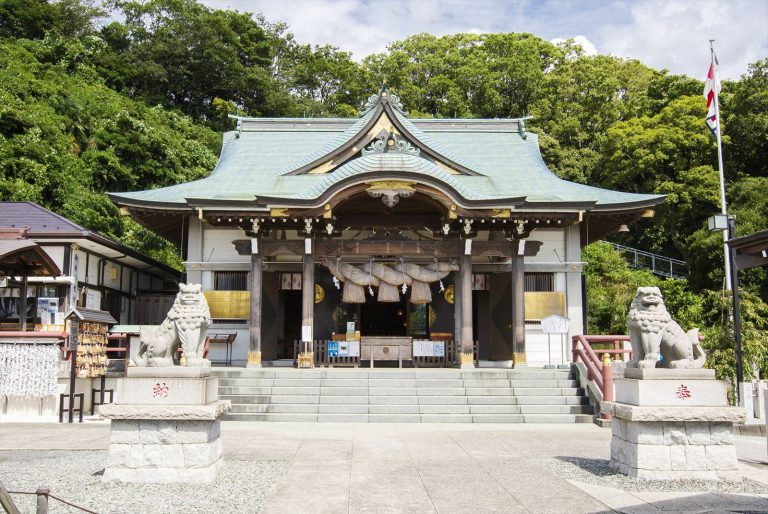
point(653, 332)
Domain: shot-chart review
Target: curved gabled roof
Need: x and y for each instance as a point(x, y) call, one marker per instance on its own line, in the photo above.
point(288, 160)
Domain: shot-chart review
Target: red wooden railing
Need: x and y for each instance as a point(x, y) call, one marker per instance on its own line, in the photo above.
point(601, 371)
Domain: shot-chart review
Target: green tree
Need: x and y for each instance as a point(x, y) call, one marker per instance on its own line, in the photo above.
point(65, 140)
point(179, 53)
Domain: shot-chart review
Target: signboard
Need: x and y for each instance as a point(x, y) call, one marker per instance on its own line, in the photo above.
point(555, 324)
point(350, 327)
point(306, 333)
point(422, 348)
point(333, 348)
point(427, 348)
point(354, 348)
point(47, 308)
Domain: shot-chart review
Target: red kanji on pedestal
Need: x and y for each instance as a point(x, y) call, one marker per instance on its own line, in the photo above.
point(683, 392)
point(160, 390)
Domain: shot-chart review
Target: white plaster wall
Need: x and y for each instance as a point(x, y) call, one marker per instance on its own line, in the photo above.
point(218, 247)
point(79, 265)
point(553, 249)
point(217, 353)
point(93, 299)
point(108, 281)
point(538, 348)
point(206, 279)
point(194, 249)
point(92, 273)
point(56, 253)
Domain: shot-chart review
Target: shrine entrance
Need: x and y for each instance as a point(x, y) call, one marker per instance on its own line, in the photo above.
point(384, 318)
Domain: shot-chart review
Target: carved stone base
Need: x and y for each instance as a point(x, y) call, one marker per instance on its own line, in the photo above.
point(164, 451)
point(164, 429)
point(673, 450)
point(673, 425)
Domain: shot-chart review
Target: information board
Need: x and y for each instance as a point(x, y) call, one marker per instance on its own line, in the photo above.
point(555, 324)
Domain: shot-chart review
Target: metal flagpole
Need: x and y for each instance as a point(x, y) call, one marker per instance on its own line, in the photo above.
point(724, 207)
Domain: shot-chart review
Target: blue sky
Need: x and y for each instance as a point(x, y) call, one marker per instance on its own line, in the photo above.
point(670, 34)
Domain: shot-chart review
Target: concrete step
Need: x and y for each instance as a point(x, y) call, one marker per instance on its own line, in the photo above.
point(548, 391)
point(558, 418)
point(411, 418)
point(246, 382)
point(555, 409)
point(243, 390)
point(552, 400)
point(494, 409)
point(404, 395)
point(396, 374)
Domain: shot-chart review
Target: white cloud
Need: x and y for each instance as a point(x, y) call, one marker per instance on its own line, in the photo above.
point(586, 45)
point(675, 35)
point(670, 34)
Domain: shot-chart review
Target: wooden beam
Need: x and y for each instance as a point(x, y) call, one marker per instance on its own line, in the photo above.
point(336, 247)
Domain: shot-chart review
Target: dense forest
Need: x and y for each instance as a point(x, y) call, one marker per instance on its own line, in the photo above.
point(127, 95)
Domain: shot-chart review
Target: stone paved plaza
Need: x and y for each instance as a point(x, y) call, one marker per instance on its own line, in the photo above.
point(377, 468)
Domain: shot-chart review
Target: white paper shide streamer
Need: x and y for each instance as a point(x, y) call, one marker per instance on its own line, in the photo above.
point(28, 370)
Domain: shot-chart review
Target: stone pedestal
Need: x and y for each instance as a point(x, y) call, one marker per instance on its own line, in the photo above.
point(165, 426)
point(671, 424)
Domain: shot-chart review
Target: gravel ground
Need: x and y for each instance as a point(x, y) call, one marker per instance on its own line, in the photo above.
point(75, 476)
point(596, 471)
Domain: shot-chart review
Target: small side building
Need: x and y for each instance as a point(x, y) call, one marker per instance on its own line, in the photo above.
point(96, 273)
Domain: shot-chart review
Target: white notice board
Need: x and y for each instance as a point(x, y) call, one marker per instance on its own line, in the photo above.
point(555, 324)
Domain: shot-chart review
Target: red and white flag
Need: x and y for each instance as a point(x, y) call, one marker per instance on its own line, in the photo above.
point(709, 93)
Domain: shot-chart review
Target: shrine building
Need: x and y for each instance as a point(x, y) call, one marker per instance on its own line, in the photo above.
point(386, 231)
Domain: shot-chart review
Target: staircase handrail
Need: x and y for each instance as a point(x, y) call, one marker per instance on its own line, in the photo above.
point(582, 350)
point(646, 253)
point(655, 258)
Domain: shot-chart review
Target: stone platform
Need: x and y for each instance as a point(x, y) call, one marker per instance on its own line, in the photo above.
point(165, 427)
point(673, 424)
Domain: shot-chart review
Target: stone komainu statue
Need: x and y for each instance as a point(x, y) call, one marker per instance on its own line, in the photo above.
point(652, 331)
point(185, 326)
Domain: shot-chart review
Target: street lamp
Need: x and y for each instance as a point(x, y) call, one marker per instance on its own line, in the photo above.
point(718, 223)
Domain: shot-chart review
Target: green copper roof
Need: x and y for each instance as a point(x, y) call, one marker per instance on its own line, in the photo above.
point(266, 158)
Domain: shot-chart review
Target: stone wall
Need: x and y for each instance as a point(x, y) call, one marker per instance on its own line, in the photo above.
point(673, 450)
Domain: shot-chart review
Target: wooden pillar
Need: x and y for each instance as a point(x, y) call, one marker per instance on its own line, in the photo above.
point(465, 276)
point(518, 305)
point(257, 268)
point(23, 303)
point(308, 297)
point(457, 310)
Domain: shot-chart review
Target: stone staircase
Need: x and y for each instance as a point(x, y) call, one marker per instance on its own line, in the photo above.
point(404, 395)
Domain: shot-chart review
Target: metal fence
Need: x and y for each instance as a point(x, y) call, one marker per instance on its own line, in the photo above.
point(656, 264)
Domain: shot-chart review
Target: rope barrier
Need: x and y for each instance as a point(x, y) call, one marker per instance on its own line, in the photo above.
point(49, 495)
